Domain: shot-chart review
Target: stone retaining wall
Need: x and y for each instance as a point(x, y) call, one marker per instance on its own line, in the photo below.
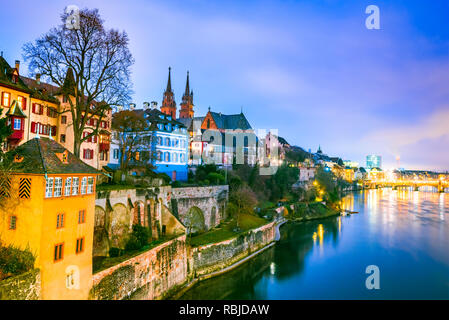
point(150, 275)
point(214, 257)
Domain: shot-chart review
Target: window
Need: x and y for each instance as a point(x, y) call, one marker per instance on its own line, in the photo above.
point(79, 245)
point(6, 98)
point(208, 123)
point(65, 99)
point(59, 252)
point(83, 185)
point(12, 222)
point(63, 119)
point(62, 138)
point(68, 187)
point(49, 188)
point(90, 185)
point(167, 142)
point(159, 156)
point(175, 157)
point(81, 216)
point(115, 155)
point(17, 124)
point(58, 187)
point(60, 221)
point(22, 102)
point(167, 157)
point(88, 154)
point(75, 186)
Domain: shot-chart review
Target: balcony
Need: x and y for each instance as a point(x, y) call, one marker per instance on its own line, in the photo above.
point(16, 135)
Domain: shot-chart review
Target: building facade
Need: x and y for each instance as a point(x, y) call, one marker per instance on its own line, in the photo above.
point(38, 109)
point(373, 161)
point(50, 200)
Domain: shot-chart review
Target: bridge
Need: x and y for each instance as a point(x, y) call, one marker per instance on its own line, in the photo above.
point(440, 185)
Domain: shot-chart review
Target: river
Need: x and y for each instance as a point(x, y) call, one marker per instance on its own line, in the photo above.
point(404, 233)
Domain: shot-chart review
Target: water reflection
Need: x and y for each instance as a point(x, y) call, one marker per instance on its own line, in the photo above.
point(404, 232)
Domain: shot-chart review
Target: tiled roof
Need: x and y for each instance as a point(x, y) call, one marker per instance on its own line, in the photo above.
point(231, 121)
point(39, 157)
point(6, 73)
point(15, 110)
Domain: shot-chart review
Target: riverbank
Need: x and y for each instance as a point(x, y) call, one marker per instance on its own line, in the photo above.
point(302, 212)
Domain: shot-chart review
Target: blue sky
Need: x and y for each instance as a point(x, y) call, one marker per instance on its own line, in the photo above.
point(307, 68)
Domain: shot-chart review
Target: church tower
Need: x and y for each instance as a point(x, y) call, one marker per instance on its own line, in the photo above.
point(168, 102)
point(187, 102)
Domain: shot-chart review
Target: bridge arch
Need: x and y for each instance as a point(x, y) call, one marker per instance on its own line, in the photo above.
point(194, 220)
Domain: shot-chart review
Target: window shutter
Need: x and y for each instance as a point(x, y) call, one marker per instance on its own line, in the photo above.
point(24, 104)
point(2, 98)
point(95, 139)
point(33, 108)
point(33, 127)
point(48, 112)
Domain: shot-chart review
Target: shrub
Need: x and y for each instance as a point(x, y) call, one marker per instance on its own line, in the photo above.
point(115, 252)
point(14, 261)
point(215, 178)
point(138, 238)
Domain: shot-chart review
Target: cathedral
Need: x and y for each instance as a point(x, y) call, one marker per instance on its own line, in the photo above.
point(169, 104)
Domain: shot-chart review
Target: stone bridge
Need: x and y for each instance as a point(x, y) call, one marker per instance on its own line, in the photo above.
point(200, 208)
point(440, 185)
point(165, 211)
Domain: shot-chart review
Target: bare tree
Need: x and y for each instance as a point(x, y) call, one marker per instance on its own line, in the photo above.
point(90, 64)
point(129, 129)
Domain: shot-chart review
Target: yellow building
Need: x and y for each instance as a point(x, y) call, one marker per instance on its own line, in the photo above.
point(50, 209)
point(47, 113)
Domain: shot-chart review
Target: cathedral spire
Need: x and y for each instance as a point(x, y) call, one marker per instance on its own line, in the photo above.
point(168, 102)
point(187, 101)
point(169, 80)
point(187, 85)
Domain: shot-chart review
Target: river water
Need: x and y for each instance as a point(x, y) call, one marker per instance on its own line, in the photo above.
point(404, 233)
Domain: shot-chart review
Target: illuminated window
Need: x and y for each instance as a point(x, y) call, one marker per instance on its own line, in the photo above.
point(58, 187)
point(12, 222)
point(83, 185)
point(90, 185)
point(68, 187)
point(6, 97)
point(60, 221)
point(59, 252)
point(75, 186)
point(22, 102)
point(49, 188)
point(79, 245)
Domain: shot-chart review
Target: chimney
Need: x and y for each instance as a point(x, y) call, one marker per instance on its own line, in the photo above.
point(17, 65)
point(38, 78)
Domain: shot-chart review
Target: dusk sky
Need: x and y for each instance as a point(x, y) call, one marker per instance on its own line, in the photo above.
point(308, 68)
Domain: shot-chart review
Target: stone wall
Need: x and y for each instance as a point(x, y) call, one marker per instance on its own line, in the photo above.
point(116, 211)
point(210, 201)
point(213, 257)
point(150, 275)
point(26, 286)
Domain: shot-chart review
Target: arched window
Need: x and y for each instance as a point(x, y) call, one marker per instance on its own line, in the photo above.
point(167, 157)
point(167, 142)
point(159, 141)
point(159, 156)
point(175, 157)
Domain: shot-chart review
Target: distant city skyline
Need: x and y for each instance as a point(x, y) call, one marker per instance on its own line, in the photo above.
point(309, 69)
